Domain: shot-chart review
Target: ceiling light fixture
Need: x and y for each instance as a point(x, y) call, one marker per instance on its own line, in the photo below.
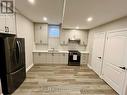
point(31, 1)
point(77, 27)
point(89, 19)
point(45, 18)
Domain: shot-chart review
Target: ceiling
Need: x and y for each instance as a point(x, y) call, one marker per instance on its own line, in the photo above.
point(52, 9)
point(75, 12)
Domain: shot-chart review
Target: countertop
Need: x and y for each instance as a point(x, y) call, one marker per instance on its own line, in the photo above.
point(46, 51)
point(60, 51)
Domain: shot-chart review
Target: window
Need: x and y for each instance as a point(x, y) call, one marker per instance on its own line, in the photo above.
point(54, 30)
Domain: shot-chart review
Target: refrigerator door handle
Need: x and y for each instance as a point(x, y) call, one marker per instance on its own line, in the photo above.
point(18, 51)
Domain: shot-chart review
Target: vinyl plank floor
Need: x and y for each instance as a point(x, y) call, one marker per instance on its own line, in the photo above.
point(50, 79)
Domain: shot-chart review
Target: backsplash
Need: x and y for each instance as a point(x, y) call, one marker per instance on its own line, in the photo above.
point(64, 36)
point(61, 47)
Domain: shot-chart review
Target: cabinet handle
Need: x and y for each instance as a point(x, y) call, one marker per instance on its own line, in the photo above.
point(40, 41)
point(6, 29)
point(99, 57)
point(52, 54)
point(39, 54)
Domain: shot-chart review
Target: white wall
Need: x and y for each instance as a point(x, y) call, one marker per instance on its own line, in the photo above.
point(25, 29)
point(118, 24)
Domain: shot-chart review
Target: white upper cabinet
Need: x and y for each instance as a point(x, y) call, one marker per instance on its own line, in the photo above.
point(2, 23)
point(7, 23)
point(10, 23)
point(64, 38)
point(41, 33)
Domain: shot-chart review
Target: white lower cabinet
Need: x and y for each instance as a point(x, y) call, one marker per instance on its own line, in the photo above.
point(50, 58)
point(40, 58)
point(84, 58)
point(64, 58)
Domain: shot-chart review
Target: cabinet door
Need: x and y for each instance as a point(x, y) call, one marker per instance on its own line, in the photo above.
point(64, 38)
point(64, 58)
point(10, 23)
point(44, 58)
point(56, 58)
point(97, 54)
point(37, 58)
point(84, 58)
point(49, 58)
point(115, 56)
point(38, 33)
point(44, 34)
point(2, 23)
point(40, 58)
point(41, 33)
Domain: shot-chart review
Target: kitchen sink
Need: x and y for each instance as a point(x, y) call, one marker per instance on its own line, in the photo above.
point(53, 51)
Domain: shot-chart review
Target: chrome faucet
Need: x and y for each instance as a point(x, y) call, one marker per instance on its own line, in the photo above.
point(53, 49)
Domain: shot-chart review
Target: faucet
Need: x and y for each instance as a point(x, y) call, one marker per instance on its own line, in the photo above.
point(53, 49)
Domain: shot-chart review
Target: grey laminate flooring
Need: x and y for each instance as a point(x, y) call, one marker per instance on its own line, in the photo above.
point(63, 80)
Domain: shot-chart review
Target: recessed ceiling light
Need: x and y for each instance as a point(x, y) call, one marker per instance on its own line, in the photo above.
point(31, 1)
point(77, 27)
point(45, 18)
point(89, 19)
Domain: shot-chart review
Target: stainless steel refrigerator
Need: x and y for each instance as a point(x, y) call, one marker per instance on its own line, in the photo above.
point(12, 63)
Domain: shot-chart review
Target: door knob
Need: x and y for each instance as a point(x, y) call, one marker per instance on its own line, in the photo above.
point(124, 68)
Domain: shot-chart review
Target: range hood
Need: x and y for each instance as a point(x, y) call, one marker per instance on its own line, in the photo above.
point(74, 40)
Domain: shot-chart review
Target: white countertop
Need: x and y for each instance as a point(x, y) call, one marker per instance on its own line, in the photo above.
point(87, 52)
point(46, 51)
point(60, 51)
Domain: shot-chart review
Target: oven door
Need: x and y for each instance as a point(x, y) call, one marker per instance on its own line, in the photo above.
point(74, 58)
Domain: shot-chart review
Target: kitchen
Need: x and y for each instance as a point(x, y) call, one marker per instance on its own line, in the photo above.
point(72, 47)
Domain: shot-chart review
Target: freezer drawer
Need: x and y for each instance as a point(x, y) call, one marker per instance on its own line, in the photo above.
point(12, 81)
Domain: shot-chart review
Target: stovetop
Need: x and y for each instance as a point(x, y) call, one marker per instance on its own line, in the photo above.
point(73, 51)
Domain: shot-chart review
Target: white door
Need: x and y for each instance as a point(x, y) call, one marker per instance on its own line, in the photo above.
point(125, 86)
point(115, 57)
point(97, 54)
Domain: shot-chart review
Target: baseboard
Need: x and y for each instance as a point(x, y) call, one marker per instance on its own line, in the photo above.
point(89, 66)
point(27, 69)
